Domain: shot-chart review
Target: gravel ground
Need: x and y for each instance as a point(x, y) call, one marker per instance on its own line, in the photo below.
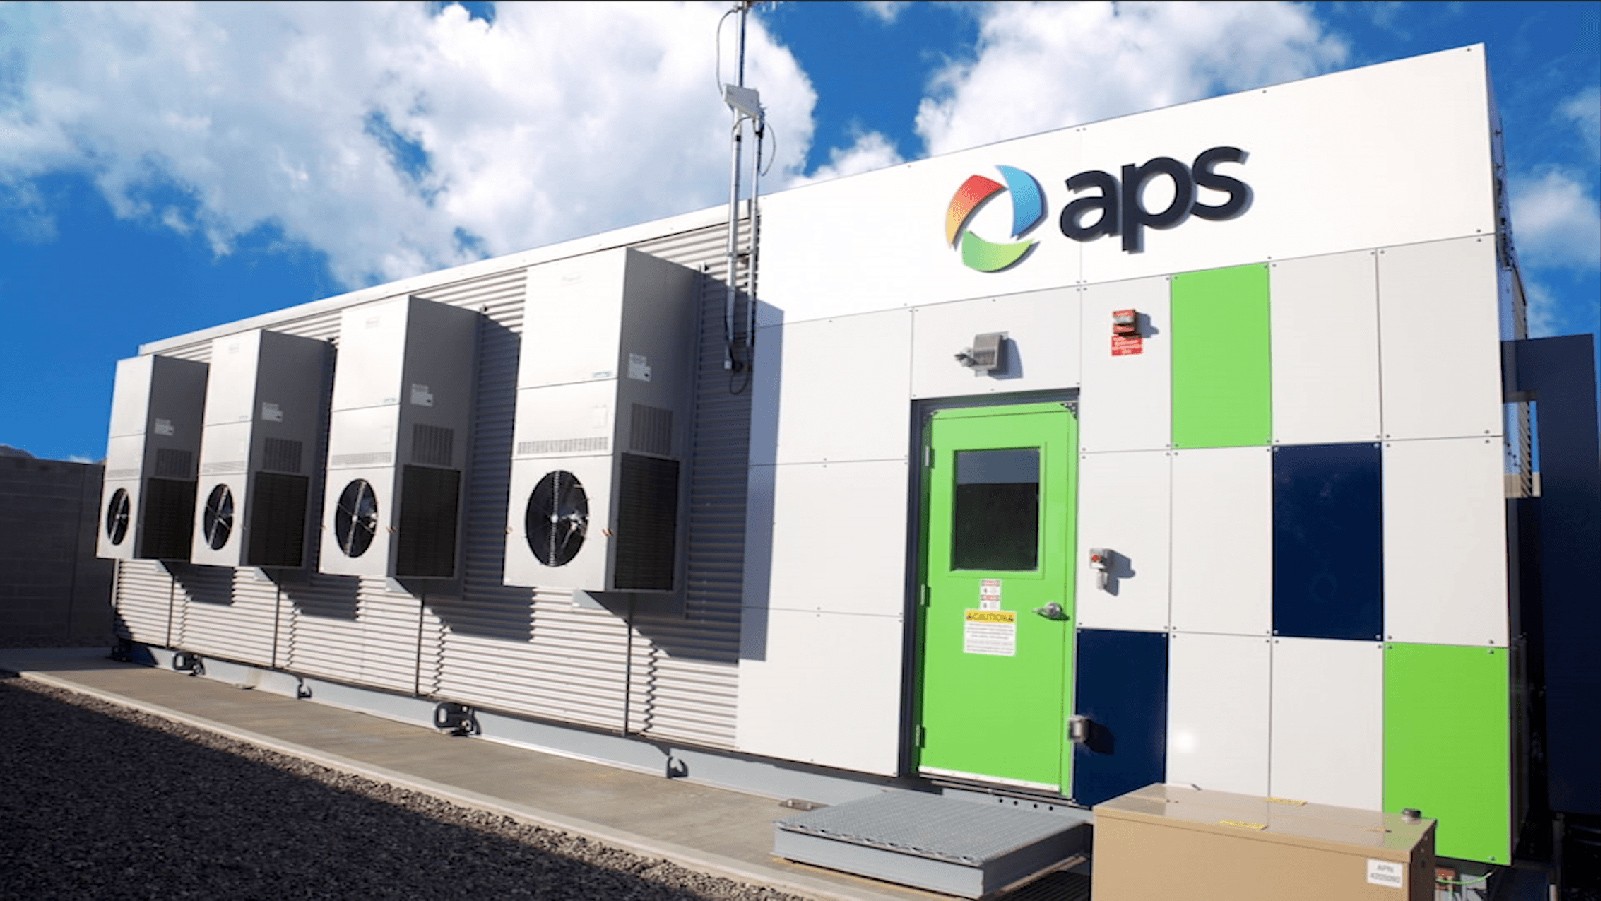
point(100, 801)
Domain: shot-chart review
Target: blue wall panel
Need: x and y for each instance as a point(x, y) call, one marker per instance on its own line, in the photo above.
point(1328, 541)
point(1122, 689)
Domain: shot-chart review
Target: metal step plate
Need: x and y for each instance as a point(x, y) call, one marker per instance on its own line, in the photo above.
point(931, 842)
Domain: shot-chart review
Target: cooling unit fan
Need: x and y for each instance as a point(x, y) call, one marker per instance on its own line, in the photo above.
point(557, 518)
point(356, 519)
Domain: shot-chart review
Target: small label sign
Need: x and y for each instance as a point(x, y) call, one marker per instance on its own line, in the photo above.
point(164, 427)
point(1127, 345)
point(989, 594)
point(421, 396)
point(1386, 873)
point(638, 368)
point(272, 413)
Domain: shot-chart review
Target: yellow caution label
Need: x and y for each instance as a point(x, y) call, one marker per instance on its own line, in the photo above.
point(1288, 801)
point(1240, 824)
point(999, 617)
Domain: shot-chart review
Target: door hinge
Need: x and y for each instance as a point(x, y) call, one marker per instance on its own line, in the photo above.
point(928, 457)
point(922, 737)
point(922, 598)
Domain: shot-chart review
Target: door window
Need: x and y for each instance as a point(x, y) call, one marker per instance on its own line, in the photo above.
point(995, 518)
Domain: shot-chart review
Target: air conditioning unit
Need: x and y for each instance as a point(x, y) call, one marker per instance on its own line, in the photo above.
point(148, 503)
point(601, 442)
point(398, 439)
point(264, 412)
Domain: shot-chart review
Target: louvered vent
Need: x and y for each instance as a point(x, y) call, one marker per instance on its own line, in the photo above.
point(432, 445)
point(563, 446)
point(647, 517)
point(651, 431)
point(426, 543)
point(168, 519)
point(174, 464)
point(281, 455)
point(278, 519)
point(371, 458)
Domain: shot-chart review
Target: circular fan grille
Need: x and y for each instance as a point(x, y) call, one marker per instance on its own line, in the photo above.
point(216, 520)
point(356, 518)
point(117, 516)
point(558, 515)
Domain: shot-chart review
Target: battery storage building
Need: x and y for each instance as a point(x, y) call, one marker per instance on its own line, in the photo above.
point(1245, 351)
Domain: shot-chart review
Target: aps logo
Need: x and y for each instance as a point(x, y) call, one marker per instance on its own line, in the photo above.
point(1028, 208)
point(1116, 208)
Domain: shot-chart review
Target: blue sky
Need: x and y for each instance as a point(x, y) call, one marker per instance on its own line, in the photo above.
point(170, 167)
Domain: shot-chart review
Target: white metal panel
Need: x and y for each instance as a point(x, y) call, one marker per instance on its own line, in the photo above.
point(1328, 722)
point(839, 538)
point(375, 560)
point(822, 688)
point(1445, 579)
point(1126, 401)
point(843, 389)
point(580, 299)
point(143, 602)
point(1325, 331)
point(1330, 159)
point(372, 338)
point(1217, 712)
point(1042, 347)
point(1124, 502)
point(231, 388)
point(1223, 540)
point(1439, 339)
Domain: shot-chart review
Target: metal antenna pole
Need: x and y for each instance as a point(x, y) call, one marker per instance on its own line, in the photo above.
point(729, 363)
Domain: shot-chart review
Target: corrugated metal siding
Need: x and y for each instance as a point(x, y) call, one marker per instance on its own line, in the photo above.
point(143, 601)
point(512, 649)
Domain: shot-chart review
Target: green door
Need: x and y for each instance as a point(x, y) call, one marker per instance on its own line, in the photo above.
point(996, 613)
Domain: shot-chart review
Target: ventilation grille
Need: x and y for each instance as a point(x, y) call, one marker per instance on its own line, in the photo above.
point(651, 431)
point(426, 543)
point(563, 446)
point(167, 520)
point(432, 445)
point(218, 469)
point(174, 464)
point(281, 455)
point(277, 519)
point(371, 458)
point(647, 524)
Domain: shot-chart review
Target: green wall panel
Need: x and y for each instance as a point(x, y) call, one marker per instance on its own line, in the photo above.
point(1447, 744)
point(1222, 370)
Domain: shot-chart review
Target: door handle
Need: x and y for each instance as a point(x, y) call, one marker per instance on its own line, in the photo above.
point(1052, 610)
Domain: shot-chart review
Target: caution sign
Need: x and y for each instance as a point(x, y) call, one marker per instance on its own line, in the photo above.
point(992, 632)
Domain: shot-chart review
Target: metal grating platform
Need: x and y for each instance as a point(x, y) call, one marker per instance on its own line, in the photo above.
point(931, 842)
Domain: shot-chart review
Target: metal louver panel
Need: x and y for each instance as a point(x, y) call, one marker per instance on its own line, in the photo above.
point(432, 445)
point(143, 601)
point(172, 463)
point(281, 455)
point(225, 613)
point(650, 430)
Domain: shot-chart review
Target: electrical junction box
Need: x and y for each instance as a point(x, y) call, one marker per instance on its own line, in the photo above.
point(258, 450)
point(1167, 841)
point(398, 439)
point(601, 442)
point(148, 503)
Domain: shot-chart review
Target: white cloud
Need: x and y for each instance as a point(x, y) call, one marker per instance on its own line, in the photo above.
point(1557, 221)
point(1543, 312)
point(870, 150)
point(383, 133)
point(1042, 66)
point(1584, 111)
point(886, 11)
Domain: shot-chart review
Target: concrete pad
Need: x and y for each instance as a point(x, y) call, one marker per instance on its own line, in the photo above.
point(705, 828)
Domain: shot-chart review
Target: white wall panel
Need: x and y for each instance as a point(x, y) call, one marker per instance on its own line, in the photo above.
point(1328, 722)
point(1217, 712)
point(822, 688)
point(1439, 339)
point(839, 538)
point(1042, 352)
point(840, 388)
point(1127, 401)
point(1123, 504)
point(1330, 159)
point(1325, 327)
point(1223, 540)
point(1445, 578)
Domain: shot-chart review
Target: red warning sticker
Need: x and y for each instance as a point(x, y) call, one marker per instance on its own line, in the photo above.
point(1124, 345)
